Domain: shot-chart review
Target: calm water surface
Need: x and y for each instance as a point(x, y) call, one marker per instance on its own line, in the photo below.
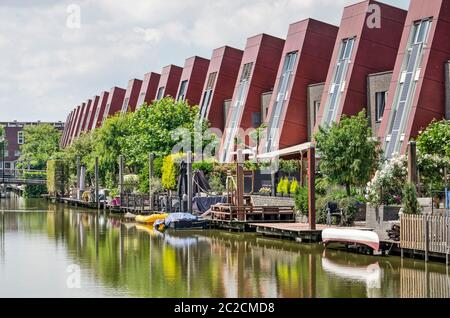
point(51, 250)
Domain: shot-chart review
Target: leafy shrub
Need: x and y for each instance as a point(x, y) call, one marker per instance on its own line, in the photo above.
point(169, 173)
point(34, 190)
point(293, 187)
point(216, 182)
point(410, 205)
point(57, 177)
point(348, 205)
point(288, 166)
point(130, 182)
point(156, 186)
point(301, 200)
point(322, 185)
point(283, 186)
point(206, 166)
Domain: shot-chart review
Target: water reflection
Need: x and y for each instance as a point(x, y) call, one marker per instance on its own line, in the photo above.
point(124, 259)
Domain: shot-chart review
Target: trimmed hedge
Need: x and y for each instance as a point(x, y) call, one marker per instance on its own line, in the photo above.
point(34, 190)
point(57, 177)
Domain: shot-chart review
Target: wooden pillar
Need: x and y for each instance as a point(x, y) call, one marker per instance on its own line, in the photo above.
point(78, 177)
point(121, 165)
point(97, 198)
point(190, 181)
point(151, 157)
point(412, 163)
point(82, 179)
point(311, 188)
point(240, 185)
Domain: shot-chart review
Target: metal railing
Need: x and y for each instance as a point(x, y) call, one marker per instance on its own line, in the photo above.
point(22, 176)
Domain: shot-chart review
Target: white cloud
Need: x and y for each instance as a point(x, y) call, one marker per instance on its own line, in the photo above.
point(47, 68)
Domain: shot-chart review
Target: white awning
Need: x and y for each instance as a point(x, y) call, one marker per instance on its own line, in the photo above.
point(286, 151)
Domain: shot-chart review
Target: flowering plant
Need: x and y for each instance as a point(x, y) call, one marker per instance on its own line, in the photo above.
point(386, 186)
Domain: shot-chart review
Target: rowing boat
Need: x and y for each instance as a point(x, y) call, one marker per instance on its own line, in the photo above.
point(351, 236)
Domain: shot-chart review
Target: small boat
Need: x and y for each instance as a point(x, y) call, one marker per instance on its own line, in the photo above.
point(150, 219)
point(180, 221)
point(351, 236)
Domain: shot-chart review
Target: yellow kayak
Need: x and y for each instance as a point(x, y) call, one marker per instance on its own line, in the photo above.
point(150, 219)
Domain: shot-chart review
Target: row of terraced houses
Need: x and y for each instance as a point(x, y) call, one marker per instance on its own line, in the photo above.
point(391, 62)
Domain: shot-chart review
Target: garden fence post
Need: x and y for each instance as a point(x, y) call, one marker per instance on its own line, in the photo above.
point(240, 185)
point(78, 178)
point(311, 188)
point(150, 180)
point(189, 181)
point(121, 175)
point(97, 197)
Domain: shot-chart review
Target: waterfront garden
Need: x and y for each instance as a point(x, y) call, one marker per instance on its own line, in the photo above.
point(351, 170)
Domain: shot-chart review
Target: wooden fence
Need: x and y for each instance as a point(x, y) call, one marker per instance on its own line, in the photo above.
point(425, 233)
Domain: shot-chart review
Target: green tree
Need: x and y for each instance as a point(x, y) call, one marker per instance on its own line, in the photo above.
point(82, 147)
point(109, 144)
point(258, 135)
point(2, 136)
point(433, 145)
point(410, 205)
point(41, 144)
point(152, 127)
point(348, 153)
point(435, 140)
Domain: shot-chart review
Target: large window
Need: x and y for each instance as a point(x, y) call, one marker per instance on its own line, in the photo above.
point(282, 95)
point(380, 103)
point(160, 94)
point(20, 137)
point(125, 104)
point(97, 113)
point(406, 87)
point(316, 109)
point(338, 85)
point(106, 113)
point(182, 91)
point(88, 119)
point(141, 100)
point(204, 108)
point(236, 111)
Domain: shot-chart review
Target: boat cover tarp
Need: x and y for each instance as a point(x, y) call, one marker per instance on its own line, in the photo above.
point(201, 184)
point(203, 204)
point(174, 217)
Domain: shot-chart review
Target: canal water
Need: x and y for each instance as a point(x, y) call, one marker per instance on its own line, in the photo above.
point(52, 250)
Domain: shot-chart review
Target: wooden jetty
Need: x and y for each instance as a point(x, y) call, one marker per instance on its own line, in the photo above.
point(299, 232)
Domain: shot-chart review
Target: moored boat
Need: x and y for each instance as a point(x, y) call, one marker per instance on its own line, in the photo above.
point(150, 219)
point(351, 237)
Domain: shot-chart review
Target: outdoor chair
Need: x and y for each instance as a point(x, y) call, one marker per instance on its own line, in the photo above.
point(333, 210)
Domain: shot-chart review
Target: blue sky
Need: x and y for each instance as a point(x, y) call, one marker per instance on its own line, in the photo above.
point(47, 68)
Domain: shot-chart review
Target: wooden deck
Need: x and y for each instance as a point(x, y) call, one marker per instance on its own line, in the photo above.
point(299, 232)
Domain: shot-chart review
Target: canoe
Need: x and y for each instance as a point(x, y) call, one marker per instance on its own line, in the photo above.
point(150, 219)
point(351, 236)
